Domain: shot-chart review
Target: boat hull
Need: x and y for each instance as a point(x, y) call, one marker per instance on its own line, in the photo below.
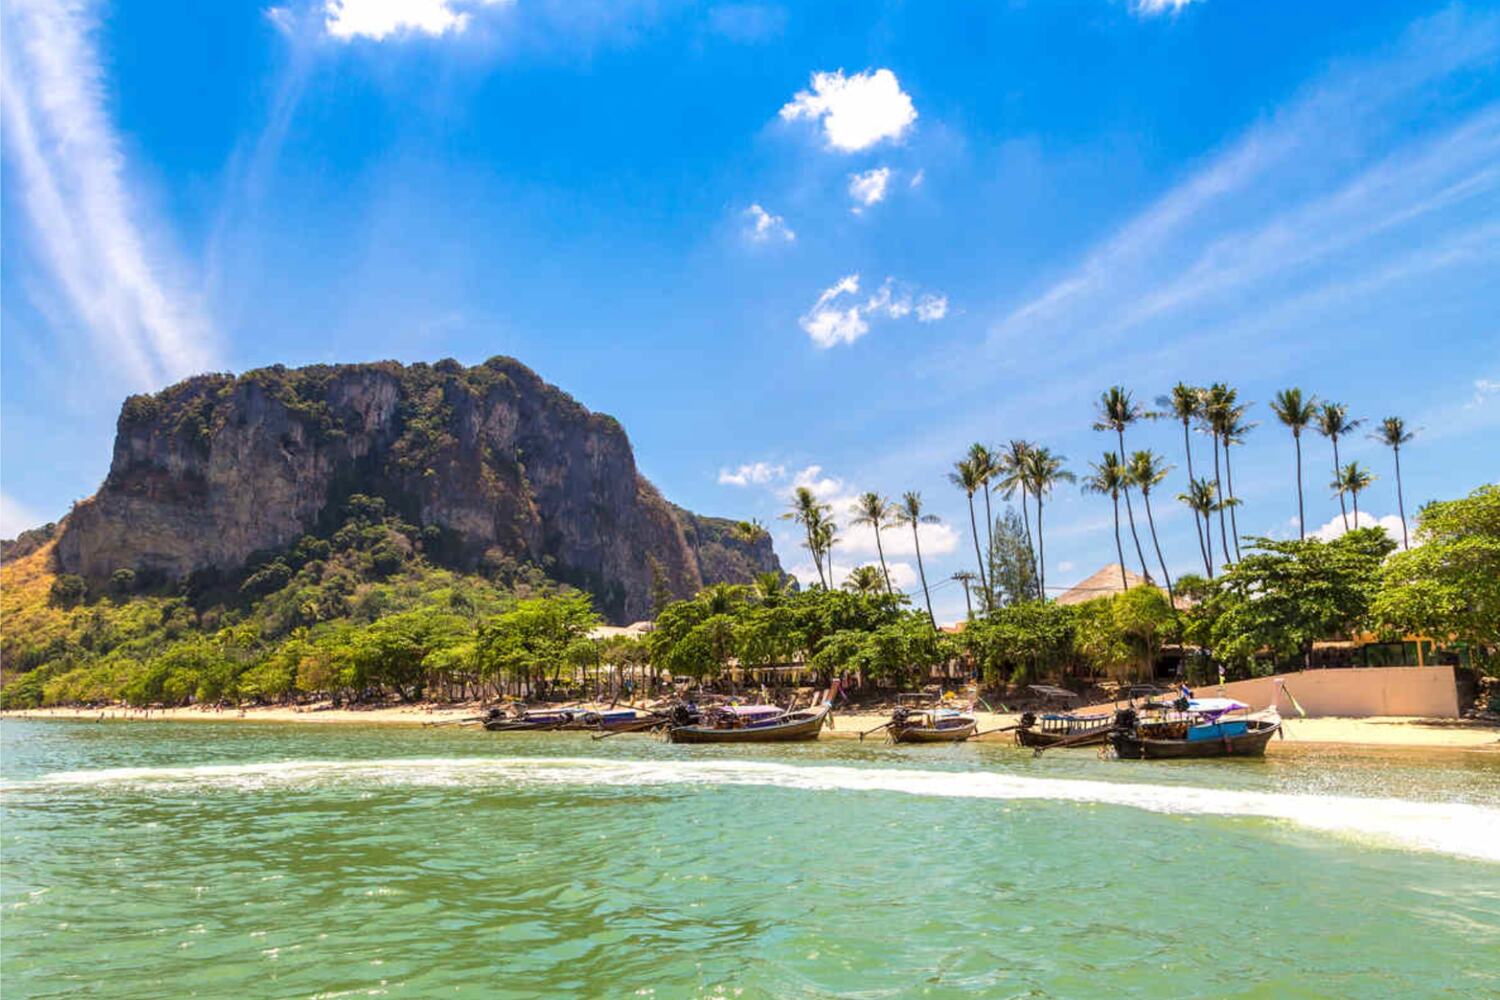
point(1128, 744)
point(1037, 738)
point(929, 734)
point(805, 727)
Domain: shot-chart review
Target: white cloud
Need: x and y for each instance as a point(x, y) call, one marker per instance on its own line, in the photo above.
point(931, 308)
point(869, 187)
point(1484, 388)
point(379, 19)
point(281, 18)
point(823, 487)
point(856, 111)
point(16, 517)
point(1335, 527)
point(764, 227)
point(754, 473)
point(1152, 8)
point(917, 179)
point(108, 262)
point(837, 319)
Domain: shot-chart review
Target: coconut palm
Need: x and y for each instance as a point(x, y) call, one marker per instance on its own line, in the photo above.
point(1393, 434)
point(987, 466)
point(750, 531)
point(1218, 399)
point(1202, 499)
point(864, 580)
point(1108, 479)
point(968, 579)
point(826, 532)
point(1184, 404)
point(1296, 412)
point(1118, 411)
point(1333, 422)
point(1013, 478)
point(769, 587)
point(1233, 432)
point(874, 510)
point(1044, 471)
point(807, 510)
point(966, 476)
point(1352, 479)
point(1146, 471)
point(909, 511)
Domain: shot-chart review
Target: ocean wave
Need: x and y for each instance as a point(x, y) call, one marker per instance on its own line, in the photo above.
point(1458, 829)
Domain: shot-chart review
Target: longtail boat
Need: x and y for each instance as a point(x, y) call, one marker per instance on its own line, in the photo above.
point(1193, 728)
point(1059, 727)
point(531, 720)
point(752, 724)
point(931, 725)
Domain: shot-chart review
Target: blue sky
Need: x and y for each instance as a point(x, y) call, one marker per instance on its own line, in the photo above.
point(830, 244)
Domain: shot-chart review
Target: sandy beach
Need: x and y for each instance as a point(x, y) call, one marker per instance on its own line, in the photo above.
point(1437, 734)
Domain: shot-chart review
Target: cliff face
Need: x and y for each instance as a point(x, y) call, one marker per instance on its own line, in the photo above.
point(498, 464)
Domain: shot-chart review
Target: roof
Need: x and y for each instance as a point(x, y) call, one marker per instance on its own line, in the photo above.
point(1105, 582)
point(635, 630)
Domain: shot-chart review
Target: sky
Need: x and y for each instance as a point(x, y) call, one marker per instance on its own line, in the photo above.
point(828, 244)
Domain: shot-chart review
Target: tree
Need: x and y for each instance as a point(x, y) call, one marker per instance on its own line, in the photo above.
point(1233, 432)
point(1333, 423)
point(1021, 642)
point(1012, 474)
point(1393, 434)
point(826, 531)
point(1146, 471)
point(1144, 616)
point(1352, 479)
point(1202, 500)
point(1296, 413)
point(533, 636)
point(910, 512)
point(1108, 479)
point(1185, 404)
point(1044, 471)
point(750, 532)
point(966, 476)
point(1012, 563)
point(987, 467)
point(874, 510)
point(808, 511)
point(1218, 399)
point(1118, 411)
point(864, 580)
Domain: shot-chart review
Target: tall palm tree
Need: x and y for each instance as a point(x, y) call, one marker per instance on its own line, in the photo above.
point(875, 510)
point(1218, 399)
point(1202, 499)
point(1118, 411)
point(1393, 434)
point(909, 511)
point(968, 579)
point(1296, 412)
point(826, 532)
point(1233, 432)
point(864, 580)
point(965, 476)
point(1044, 471)
point(987, 467)
point(1333, 422)
point(1108, 479)
point(1184, 404)
point(1146, 471)
point(807, 510)
point(1352, 479)
point(1013, 478)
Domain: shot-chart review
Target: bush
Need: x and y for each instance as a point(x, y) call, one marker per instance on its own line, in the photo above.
point(122, 582)
point(68, 590)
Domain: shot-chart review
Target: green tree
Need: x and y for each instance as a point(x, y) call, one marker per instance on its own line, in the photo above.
point(1202, 500)
point(874, 510)
point(1146, 472)
point(1352, 479)
point(1044, 471)
point(967, 477)
point(910, 512)
point(1012, 478)
point(1108, 479)
point(864, 580)
point(1021, 642)
point(1296, 412)
point(1117, 411)
point(1393, 434)
point(1333, 423)
point(808, 511)
point(1012, 565)
point(525, 641)
point(1185, 405)
point(987, 467)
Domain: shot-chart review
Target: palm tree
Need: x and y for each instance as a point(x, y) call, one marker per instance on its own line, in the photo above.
point(966, 578)
point(875, 510)
point(1108, 479)
point(965, 476)
point(909, 511)
point(1233, 432)
point(1146, 471)
point(1352, 479)
point(1296, 413)
point(769, 587)
point(1116, 412)
point(864, 580)
point(808, 511)
point(987, 466)
point(826, 532)
point(1044, 470)
point(1202, 499)
point(1184, 404)
point(1217, 400)
point(1013, 478)
point(1333, 422)
point(1393, 434)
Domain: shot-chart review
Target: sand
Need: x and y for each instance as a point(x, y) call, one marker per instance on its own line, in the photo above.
point(1451, 734)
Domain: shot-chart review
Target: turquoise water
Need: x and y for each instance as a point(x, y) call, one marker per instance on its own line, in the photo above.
point(239, 860)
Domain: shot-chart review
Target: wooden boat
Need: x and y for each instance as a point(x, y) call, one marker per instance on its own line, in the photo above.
point(752, 724)
point(934, 725)
point(1214, 727)
point(532, 720)
point(1057, 727)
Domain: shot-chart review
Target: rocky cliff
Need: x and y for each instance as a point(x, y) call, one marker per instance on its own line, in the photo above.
point(493, 463)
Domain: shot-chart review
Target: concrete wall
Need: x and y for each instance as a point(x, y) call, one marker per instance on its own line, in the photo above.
point(1429, 692)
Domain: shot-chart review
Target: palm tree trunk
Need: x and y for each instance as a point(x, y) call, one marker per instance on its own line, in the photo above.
point(1219, 485)
point(1187, 448)
point(1343, 507)
point(1208, 536)
point(1171, 597)
point(1041, 553)
point(1208, 563)
point(881, 552)
point(989, 551)
point(974, 529)
point(817, 557)
point(1400, 501)
point(1119, 550)
point(1356, 507)
point(1234, 521)
point(1130, 513)
point(1301, 513)
point(917, 542)
point(1030, 544)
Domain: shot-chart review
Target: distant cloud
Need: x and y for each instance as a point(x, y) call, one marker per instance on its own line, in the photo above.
point(747, 22)
point(380, 19)
point(869, 187)
point(823, 487)
point(917, 179)
point(754, 473)
point(1484, 388)
point(16, 517)
point(1335, 527)
point(856, 111)
point(1153, 8)
point(763, 227)
point(837, 317)
point(110, 262)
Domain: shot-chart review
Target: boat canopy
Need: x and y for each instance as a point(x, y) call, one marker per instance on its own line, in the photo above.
point(1216, 706)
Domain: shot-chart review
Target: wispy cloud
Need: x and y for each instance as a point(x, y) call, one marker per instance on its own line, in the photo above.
point(838, 317)
point(381, 19)
point(762, 226)
point(1155, 8)
point(857, 111)
point(107, 258)
point(752, 474)
point(868, 188)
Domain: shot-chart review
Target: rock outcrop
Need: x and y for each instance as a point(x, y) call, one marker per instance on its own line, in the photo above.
point(496, 464)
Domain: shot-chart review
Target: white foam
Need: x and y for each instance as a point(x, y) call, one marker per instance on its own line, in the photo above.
point(1454, 828)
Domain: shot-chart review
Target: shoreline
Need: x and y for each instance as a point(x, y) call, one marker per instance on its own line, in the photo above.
point(1388, 732)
